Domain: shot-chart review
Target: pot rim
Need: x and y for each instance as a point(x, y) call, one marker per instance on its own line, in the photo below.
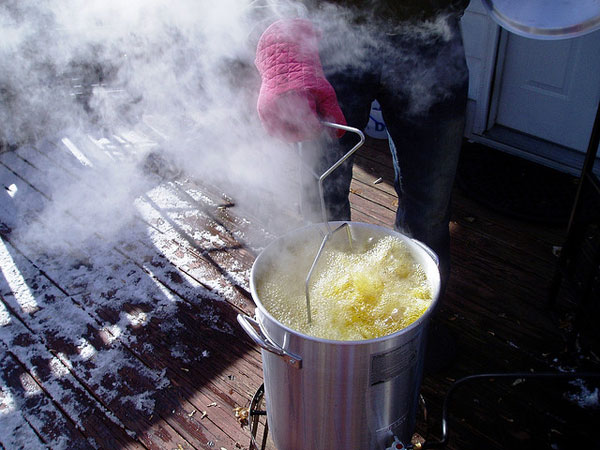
point(413, 246)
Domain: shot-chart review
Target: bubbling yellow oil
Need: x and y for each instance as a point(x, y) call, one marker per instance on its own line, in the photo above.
point(355, 294)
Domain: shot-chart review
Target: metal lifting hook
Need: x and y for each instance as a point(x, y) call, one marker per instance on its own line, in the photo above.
point(330, 232)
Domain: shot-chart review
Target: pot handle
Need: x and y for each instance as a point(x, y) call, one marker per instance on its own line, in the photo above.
point(428, 250)
point(252, 329)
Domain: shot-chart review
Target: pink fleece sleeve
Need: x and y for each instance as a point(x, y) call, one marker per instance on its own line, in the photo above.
point(294, 93)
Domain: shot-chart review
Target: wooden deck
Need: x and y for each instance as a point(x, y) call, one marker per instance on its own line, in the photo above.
point(130, 340)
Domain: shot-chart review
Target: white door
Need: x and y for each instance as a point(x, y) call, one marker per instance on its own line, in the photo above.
point(550, 89)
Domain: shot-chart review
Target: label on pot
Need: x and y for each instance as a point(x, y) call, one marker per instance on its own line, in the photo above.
point(390, 364)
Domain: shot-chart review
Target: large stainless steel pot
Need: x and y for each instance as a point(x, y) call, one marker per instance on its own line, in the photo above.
point(324, 394)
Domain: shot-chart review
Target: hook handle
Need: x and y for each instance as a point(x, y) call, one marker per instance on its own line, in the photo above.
point(338, 163)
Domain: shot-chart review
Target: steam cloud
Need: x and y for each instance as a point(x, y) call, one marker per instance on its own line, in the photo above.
point(182, 68)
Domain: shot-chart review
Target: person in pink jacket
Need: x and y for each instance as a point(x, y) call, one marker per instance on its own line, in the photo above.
point(334, 61)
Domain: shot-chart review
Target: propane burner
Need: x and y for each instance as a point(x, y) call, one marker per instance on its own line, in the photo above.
point(255, 414)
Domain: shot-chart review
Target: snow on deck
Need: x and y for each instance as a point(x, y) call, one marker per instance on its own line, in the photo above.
point(118, 297)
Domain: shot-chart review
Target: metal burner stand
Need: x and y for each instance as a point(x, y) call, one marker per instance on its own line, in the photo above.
point(254, 415)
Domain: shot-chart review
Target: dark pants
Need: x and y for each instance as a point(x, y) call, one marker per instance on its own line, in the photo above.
point(420, 80)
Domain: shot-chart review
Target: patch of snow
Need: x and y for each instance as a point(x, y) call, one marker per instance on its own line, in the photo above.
point(12, 190)
point(30, 387)
point(60, 365)
point(200, 197)
point(85, 348)
point(17, 284)
point(147, 347)
point(137, 319)
point(178, 351)
point(7, 401)
point(171, 325)
point(142, 402)
point(4, 316)
point(584, 397)
point(163, 289)
point(213, 239)
point(76, 152)
point(111, 333)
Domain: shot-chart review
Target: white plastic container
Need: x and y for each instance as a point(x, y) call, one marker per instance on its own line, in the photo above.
point(376, 127)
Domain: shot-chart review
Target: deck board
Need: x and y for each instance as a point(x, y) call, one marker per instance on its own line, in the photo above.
point(130, 339)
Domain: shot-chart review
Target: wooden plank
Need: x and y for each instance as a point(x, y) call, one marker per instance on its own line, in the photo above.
point(371, 210)
point(376, 154)
point(14, 211)
point(374, 195)
point(82, 347)
point(510, 232)
point(184, 232)
point(60, 385)
point(17, 431)
point(360, 216)
point(373, 177)
point(37, 422)
point(111, 317)
point(241, 253)
point(55, 158)
point(82, 285)
point(205, 222)
point(231, 246)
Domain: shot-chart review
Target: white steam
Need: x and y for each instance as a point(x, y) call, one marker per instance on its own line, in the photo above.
point(84, 74)
point(181, 71)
